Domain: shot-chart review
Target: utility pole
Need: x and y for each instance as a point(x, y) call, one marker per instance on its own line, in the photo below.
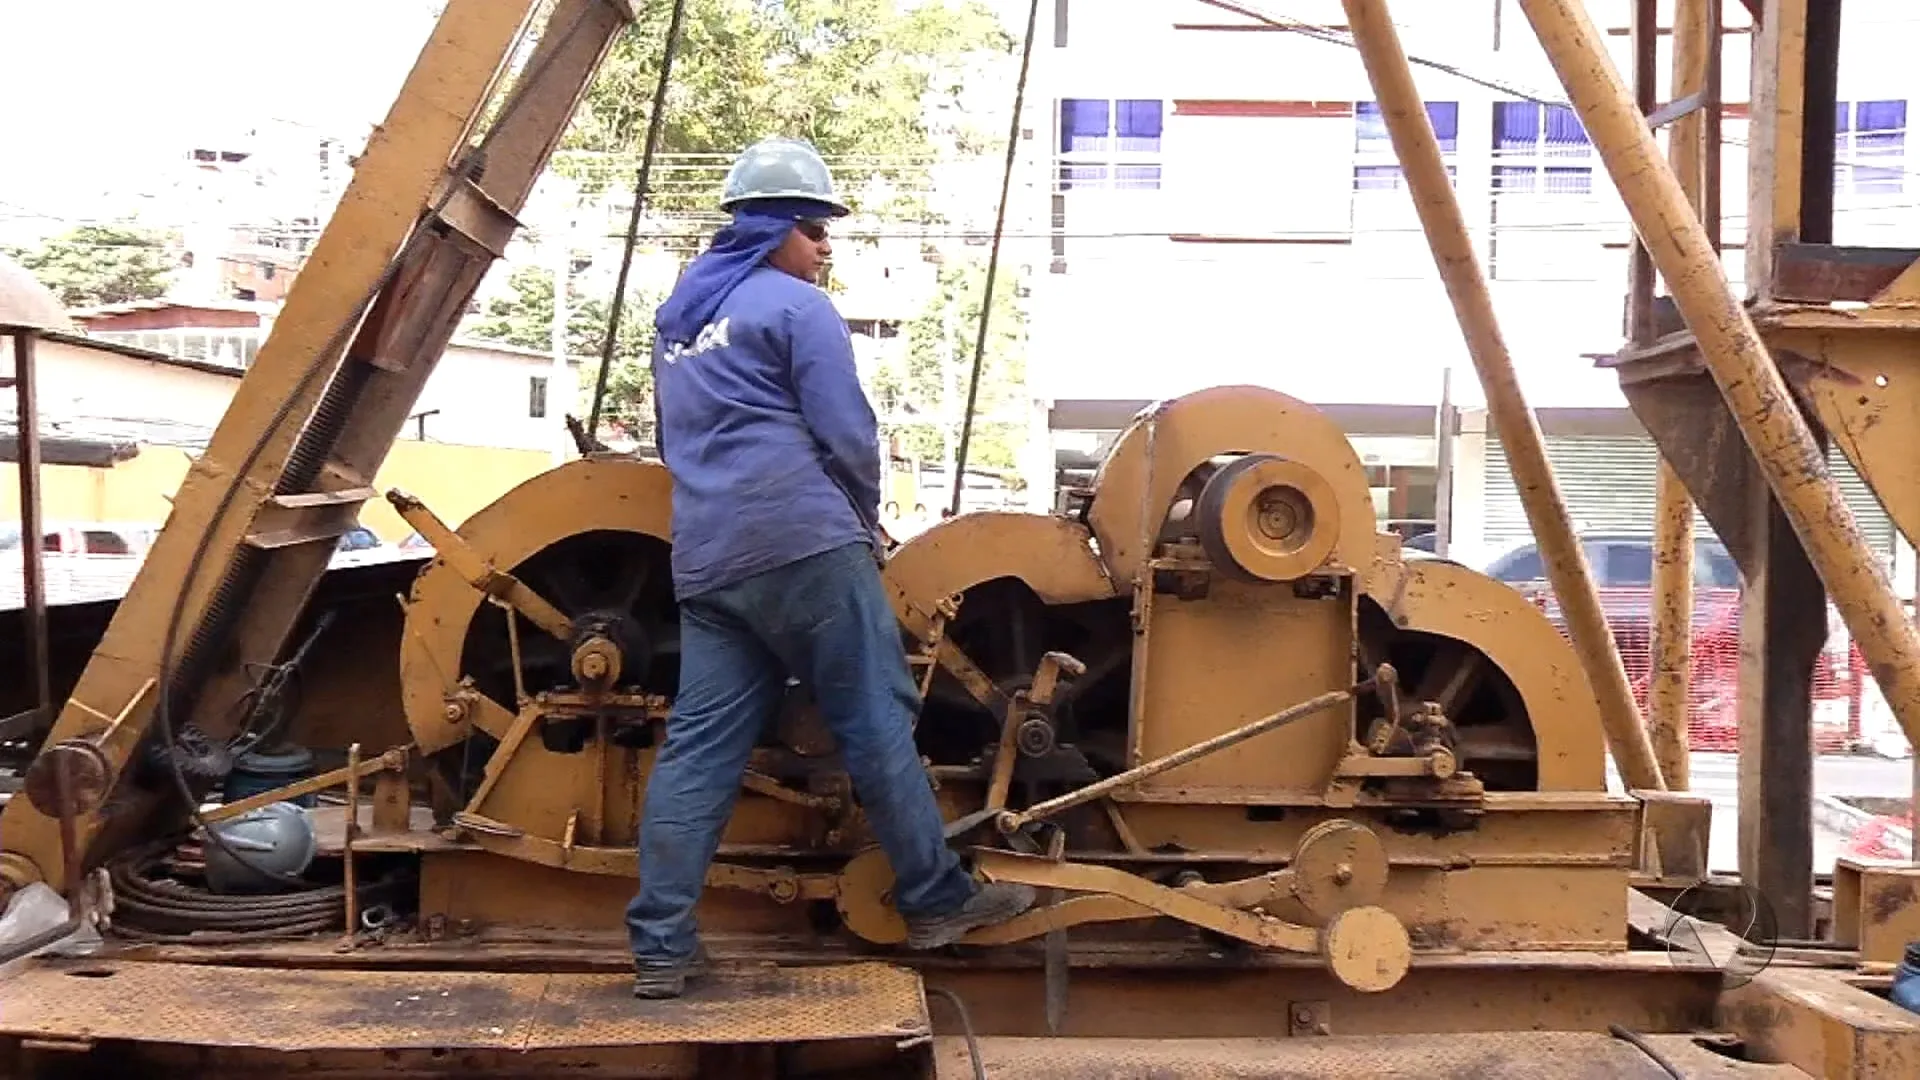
point(949, 404)
point(1444, 425)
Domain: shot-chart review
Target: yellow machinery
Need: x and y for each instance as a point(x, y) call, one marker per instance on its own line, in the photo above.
point(1405, 735)
point(1299, 803)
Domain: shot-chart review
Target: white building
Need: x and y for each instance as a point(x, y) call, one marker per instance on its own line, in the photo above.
point(144, 386)
point(1222, 205)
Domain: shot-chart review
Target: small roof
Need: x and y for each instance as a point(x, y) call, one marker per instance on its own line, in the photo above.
point(128, 307)
point(26, 302)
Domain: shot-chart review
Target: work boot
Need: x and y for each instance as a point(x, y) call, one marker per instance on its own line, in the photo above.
point(989, 905)
point(668, 980)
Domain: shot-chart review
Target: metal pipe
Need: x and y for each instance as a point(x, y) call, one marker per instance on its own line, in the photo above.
point(348, 874)
point(1433, 195)
point(1756, 395)
point(32, 541)
point(1010, 822)
point(1671, 632)
point(1445, 422)
point(1645, 24)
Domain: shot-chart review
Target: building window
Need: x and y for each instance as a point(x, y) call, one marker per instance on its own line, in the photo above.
point(1375, 166)
point(1543, 184)
point(1110, 144)
point(537, 397)
point(1870, 147)
point(1540, 150)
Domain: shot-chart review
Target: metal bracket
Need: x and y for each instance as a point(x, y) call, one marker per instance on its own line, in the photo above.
point(286, 520)
point(478, 218)
point(1675, 109)
point(1309, 1018)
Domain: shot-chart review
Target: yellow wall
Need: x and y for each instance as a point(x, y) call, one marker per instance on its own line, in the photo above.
point(455, 481)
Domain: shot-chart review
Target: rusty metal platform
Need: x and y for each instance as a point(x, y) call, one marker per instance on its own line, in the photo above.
point(1540, 1055)
point(294, 1010)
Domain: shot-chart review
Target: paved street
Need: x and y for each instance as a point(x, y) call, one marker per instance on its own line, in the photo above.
point(1716, 776)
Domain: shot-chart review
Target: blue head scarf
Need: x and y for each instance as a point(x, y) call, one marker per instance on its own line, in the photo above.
point(758, 228)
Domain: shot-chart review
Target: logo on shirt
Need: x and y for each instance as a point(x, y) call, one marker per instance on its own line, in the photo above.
point(712, 336)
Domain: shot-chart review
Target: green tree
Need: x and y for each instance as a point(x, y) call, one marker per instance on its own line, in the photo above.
point(941, 341)
point(102, 264)
point(525, 318)
point(853, 76)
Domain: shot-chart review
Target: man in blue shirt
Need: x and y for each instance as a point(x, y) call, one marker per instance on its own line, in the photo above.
point(775, 456)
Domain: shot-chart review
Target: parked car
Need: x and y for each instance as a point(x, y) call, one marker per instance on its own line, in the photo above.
point(86, 537)
point(1426, 541)
point(1618, 560)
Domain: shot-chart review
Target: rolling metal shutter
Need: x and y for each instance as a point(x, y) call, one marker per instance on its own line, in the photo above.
point(1607, 482)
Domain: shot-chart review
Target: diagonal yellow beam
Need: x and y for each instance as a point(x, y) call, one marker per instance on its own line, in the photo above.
point(1446, 228)
point(1756, 394)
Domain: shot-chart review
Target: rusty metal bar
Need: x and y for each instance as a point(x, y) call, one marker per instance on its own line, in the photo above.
point(1419, 153)
point(348, 873)
point(1672, 608)
point(392, 760)
point(478, 572)
point(1645, 39)
point(32, 541)
point(1710, 119)
point(1671, 647)
point(1756, 394)
point(1010, 822)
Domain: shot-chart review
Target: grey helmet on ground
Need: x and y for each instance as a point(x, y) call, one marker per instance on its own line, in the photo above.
point(781, 168)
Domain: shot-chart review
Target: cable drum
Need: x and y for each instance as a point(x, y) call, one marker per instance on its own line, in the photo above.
point(1268, 518)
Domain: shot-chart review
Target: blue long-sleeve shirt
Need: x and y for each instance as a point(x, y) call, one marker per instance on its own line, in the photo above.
point(772, 444)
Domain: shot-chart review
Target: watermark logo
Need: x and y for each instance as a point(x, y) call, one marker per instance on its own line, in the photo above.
point(1728, 929)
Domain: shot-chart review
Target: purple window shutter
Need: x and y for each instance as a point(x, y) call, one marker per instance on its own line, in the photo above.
point(1083, 125)
point(1138, 126)
point(1516, 126)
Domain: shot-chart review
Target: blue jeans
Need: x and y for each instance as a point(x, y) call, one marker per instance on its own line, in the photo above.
point(825, 619)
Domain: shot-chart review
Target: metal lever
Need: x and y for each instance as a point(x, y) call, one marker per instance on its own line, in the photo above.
point(1013, 822)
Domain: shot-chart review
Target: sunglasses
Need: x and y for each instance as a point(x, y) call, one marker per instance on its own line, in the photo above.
point(813, 229)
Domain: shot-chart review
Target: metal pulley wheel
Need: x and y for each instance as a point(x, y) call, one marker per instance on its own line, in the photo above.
point(590, 538)
point(1268, 518)
point(1338, 866)
point(865, 899)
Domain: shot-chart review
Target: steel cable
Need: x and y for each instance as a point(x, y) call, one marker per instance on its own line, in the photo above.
point(993, 262)
point(1639, 1042)
point(150, 906)
point(974, 1057)
point(654, 124)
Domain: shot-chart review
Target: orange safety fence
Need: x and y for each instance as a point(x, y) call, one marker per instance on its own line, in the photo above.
point(1839, 674)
